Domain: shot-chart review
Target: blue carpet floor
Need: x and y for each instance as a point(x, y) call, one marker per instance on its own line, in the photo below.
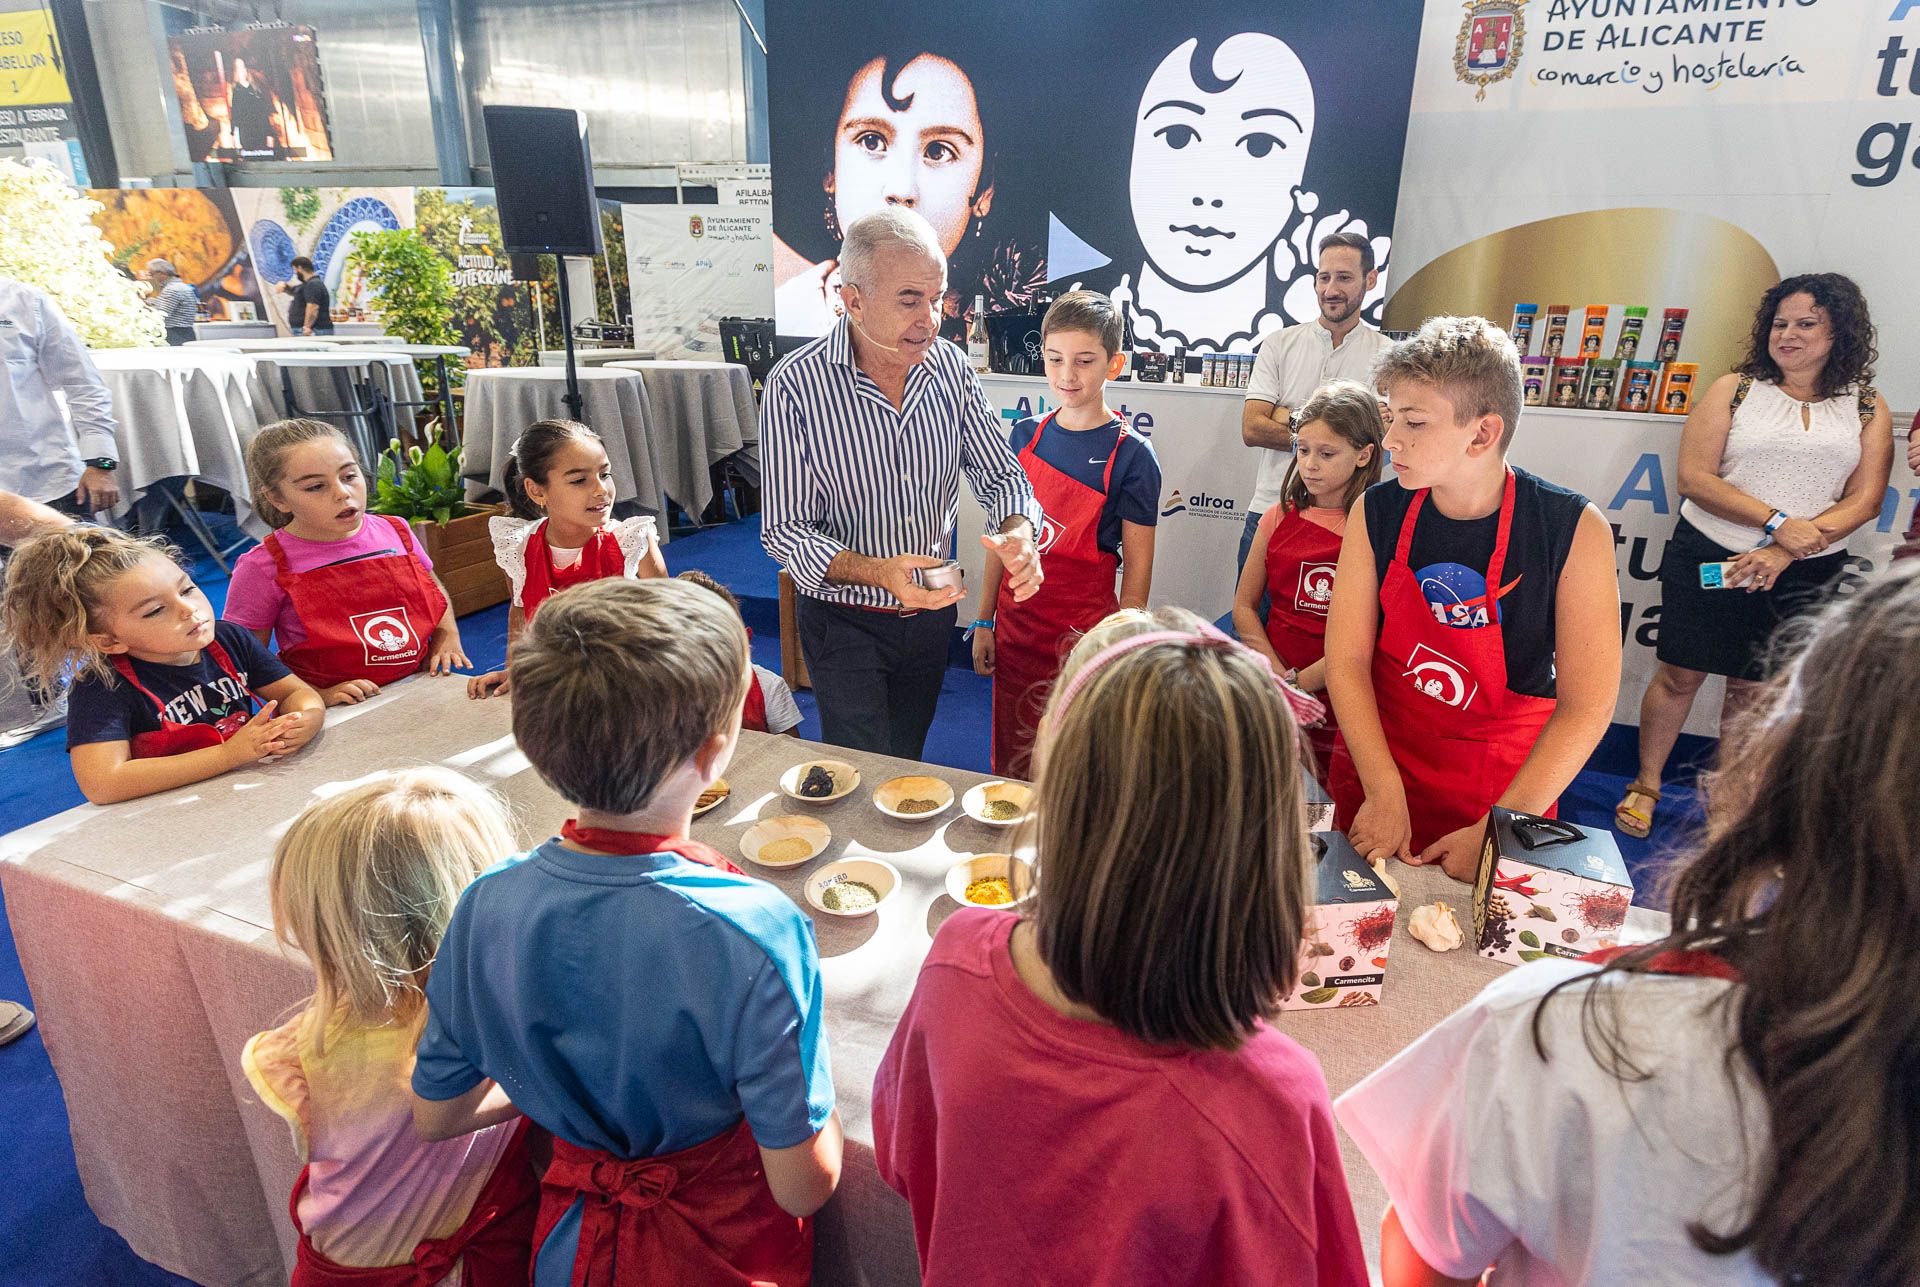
point(48, 1235)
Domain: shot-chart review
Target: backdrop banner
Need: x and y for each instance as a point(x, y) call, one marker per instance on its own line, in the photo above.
point(1668, 153)
point(689, 266)
point(1187, 160)
point(320, 223)
point(1625, 464)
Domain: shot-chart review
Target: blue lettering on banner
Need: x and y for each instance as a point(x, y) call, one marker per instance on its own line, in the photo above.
point(1901, 9)
point(1646, 481)
point(1890, 506)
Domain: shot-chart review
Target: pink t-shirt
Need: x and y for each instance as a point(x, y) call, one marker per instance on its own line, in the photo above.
point(256, 601)
point(1038, 1148)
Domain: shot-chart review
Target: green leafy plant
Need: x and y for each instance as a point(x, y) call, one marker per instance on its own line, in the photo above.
point(420, 484)
point(302, 206)
point(414, 285)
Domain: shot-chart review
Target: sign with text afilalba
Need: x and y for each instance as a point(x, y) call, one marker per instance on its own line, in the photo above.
point(689, 266)
point(1667, 153)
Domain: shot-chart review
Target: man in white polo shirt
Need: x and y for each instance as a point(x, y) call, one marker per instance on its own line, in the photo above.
point(1295, 361)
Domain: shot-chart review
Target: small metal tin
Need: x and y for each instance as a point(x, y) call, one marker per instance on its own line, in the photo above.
point(948, 576)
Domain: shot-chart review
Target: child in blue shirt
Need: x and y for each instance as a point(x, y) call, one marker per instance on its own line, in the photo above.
point(626, 987)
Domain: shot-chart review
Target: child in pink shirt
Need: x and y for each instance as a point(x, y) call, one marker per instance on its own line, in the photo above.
point(364, 883)
point(1088, 1091)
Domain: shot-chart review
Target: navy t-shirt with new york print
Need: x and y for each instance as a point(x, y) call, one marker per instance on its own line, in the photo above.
point(200, 693)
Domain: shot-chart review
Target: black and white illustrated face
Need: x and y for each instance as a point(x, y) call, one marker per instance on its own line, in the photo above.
point(1218, 154)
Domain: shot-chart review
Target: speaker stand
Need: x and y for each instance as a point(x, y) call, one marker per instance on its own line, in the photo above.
point(572, 396)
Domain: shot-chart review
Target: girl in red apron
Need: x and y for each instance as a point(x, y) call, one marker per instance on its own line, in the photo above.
point(163, 695)
point(1021, 644)
point(562, 531)
point(1297, 546)
point(375, 1204)
point(350, 597)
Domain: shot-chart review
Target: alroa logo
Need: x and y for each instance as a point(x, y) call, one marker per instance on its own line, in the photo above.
point(1213, 506)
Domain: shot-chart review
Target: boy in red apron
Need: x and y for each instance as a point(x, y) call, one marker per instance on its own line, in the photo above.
point(693, 1117)
point(1296, 547)
point(1473, 647)
point(1099, 486)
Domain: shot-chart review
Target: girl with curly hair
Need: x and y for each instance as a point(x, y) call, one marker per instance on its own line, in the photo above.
point(1781, 461)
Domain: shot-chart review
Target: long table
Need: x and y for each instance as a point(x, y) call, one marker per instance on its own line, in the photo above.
point(146, 935)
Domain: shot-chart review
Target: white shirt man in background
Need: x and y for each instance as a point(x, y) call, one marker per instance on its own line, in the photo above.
point(39, 457)
point(1296, 360)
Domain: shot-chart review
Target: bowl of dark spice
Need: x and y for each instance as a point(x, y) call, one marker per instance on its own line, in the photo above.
point(852, 887)
point(998, 804)
point(819, 781)
point(913, 799)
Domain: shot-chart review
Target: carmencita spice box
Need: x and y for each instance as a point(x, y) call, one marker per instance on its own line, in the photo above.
point(1343, 962)
point(1547, 888)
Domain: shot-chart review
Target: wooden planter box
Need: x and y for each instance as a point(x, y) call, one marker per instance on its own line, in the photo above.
point(462, 554)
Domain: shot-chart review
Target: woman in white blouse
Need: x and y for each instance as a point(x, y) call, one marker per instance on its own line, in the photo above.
point(1780, 462)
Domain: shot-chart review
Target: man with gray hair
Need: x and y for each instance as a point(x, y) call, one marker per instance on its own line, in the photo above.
point(177, 303)
point(866, 432)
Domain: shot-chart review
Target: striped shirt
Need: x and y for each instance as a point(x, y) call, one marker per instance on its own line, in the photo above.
point(845, 471)
point(178, 303)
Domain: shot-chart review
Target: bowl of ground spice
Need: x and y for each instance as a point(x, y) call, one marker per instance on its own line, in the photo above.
point(852, 887)
point(998, 804)
point(784, 842)
point(819, 781)
point(913, 799)
point(990, 880)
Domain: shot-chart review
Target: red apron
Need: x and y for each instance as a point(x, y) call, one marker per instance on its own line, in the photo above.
point(754, 714)
point(177, 739)
point(1032, 638)
point(1457, 734)
point(1674, 961)
point(365, 619)
point(703, 1215)
point(494, 1246)
point(600, 558)
point(1301, 558)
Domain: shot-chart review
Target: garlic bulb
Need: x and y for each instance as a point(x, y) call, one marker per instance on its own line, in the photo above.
point(1437, 927)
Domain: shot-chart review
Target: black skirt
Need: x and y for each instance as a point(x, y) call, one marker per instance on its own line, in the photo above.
point(1726, 632)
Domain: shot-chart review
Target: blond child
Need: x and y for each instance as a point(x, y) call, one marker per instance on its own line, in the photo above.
point(363, 883)
point(1473, 645)
point(163, 695)
point(1099, 486)
point(1115, 1032)
point(562, 531)
point(350, 599)
point(657, 1011)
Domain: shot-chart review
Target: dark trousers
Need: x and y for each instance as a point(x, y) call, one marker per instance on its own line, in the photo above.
point(876, 676)
point(178, 335)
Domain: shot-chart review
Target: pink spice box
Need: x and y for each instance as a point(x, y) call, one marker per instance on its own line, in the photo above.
point(1547, 888)
point(1343, 961)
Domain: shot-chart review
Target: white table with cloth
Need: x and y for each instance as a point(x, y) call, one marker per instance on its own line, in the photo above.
point(186, 412)
point(703, 413)
point(503, 401)
point(146, 936)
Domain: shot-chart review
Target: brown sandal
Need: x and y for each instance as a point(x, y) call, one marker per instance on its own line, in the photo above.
point(1637, 823)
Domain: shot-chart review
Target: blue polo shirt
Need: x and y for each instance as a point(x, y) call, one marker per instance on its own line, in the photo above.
point(1081, 454)
point(638, 1005)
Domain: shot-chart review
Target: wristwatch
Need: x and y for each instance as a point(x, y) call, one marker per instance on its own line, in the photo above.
point(107, 463)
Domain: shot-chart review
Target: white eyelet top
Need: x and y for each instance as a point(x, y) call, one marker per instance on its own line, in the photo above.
point(1799, 469)
point(510, 536)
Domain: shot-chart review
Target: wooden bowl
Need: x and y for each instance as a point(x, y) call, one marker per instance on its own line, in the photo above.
point(882, 877)
point(845, 779)
point(718, 792)
point(888, 796)
point(770, 831)
point(1017, 872)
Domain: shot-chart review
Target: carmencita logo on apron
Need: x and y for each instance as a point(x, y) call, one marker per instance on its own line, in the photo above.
point(1049, 533)
point(1316, 588)
point(1440, 677)
point(386, 635)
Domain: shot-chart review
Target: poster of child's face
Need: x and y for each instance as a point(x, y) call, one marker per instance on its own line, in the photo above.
point(1219, 148)
point(1188, 162)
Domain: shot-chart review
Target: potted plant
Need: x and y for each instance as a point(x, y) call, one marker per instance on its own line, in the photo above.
point(424, 488)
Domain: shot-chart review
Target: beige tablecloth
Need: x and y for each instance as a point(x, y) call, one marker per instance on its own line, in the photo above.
point(503, 401)
point(185, 412)
point(144, 930)
point(703, 413)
